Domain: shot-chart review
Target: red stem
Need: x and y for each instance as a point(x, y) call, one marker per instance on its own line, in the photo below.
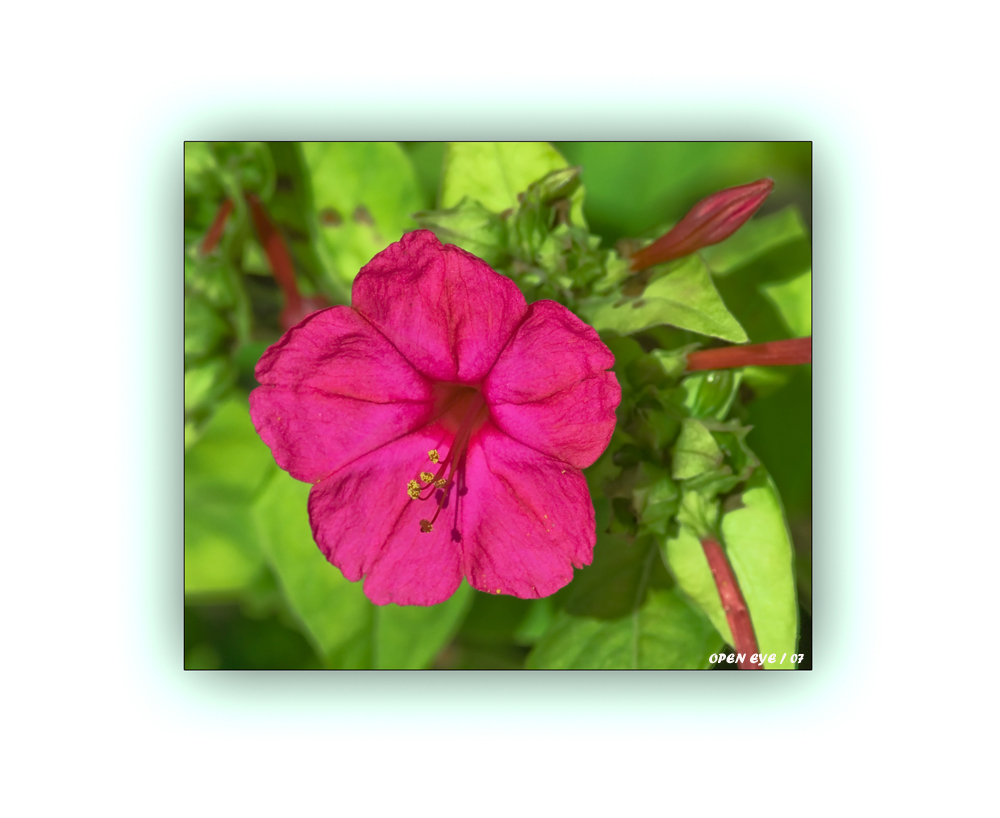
point(218, 226)
point(773, 353)
point(737, 614)
point(277, 253)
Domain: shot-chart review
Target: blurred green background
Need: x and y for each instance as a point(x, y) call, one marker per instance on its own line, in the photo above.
point(632, 190)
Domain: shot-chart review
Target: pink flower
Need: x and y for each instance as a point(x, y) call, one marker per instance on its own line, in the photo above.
point(444, 423)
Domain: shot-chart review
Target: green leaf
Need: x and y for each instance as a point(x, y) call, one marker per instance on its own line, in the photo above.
point(684, 297)
point(470, 226)
point(494, 173)
point(364, 194)
point(665, 633)
point(334, 612)
point(617, 581)
point(753, 239)
point(759, 548)
point(411, 636)
point(689, 566)
point(695, 451)
point(206, 383)
point(223, 472)
point(793, 300)
point(742, 290)
point(346, 629)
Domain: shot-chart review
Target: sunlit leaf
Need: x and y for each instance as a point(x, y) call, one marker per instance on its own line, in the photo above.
point(759, 548)
point(685, 297)
point(223, 472)
point(493, 173)
point(689, 566)
point(334, 612)
point(364, 194)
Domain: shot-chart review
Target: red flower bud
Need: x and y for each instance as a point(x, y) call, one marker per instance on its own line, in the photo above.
point(710, 221)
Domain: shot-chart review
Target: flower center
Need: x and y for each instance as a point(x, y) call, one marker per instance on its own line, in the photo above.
point(462, 410)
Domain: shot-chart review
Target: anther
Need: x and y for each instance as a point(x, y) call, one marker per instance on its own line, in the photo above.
point(433, 455)
point(413, 489)
point(426, 527)
point(440, 483)
point(426, 476)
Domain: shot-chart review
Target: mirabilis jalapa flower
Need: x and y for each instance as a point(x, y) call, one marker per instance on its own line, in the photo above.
point(443, 422)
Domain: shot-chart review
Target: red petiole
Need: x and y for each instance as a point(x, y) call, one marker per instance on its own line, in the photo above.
point(218, 226)
point(773, 353)
point(737, 613)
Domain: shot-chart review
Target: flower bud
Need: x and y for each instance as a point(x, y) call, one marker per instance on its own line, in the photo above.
point(713, 219)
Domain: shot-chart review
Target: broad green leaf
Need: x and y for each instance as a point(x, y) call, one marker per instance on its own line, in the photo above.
point(493, 173)
point(753, 239)
point(346, 629)
point(223, 472)
point(335, 613)
point(685, 297)
point(665, 633)
point(742, 290)
point(364, 194)
point(793, 300)
point(689, 566)
point(759, 548)
point(411, 636)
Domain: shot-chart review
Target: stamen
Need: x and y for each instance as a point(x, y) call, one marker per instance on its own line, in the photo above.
point(437, 484)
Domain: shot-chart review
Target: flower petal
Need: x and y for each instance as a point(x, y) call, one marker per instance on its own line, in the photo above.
point(366, 524)
point(574, 426)
point(553, 349)
point(332, 389)
point(549, 388)
point(444, 309)
point(526, 519)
